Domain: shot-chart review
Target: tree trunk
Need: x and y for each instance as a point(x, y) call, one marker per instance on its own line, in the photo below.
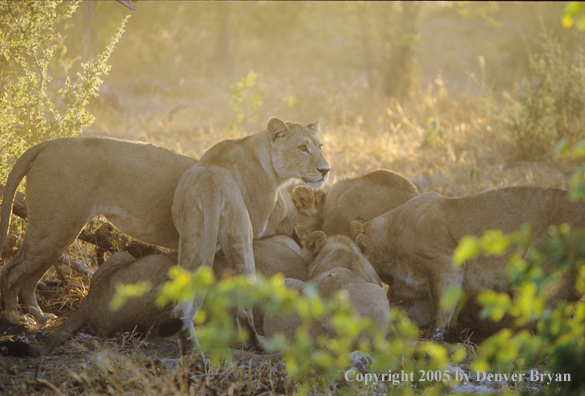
point(399, 76)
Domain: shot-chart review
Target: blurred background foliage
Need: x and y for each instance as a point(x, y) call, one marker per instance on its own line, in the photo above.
point(461, 97)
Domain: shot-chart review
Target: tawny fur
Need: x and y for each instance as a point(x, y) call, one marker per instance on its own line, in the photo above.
point(364, 197)
point(71, 181)
point(138, 314)
point(275, 254)
point(413, 245)
point(353, 274)
point(225, 200)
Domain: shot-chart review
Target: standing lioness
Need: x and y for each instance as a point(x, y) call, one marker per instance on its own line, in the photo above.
point(69, 182)
point(225, 200)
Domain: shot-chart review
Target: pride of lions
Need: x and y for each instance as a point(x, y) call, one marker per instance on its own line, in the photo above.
point(235, 211)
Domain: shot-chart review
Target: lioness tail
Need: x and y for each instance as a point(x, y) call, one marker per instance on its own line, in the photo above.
point(18, 172)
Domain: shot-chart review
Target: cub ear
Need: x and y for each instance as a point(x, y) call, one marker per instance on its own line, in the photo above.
point(319, 197)
point(301, 232)
point(303, 197)
point(355, 228)
point(277, 129)
point(315, 127)
point(315, 241)
point(364, 244)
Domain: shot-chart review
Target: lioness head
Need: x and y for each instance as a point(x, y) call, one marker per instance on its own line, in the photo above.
point(324, 253)
point(296, 152)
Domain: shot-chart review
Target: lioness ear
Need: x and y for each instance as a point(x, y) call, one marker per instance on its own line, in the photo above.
point(303, 197)
point(277, 129)
point(364, 243)
point(315, 127)
point(355, 228)
point(302, 232)
point(315, 241)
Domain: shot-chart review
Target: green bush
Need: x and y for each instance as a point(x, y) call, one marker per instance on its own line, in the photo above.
point(32, 108)
point(551, 103)
point(315, 364)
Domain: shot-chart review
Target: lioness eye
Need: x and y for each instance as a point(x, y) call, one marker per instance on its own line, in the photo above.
point(303, 148)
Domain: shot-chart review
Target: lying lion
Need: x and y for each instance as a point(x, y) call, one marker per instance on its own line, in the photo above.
point(224, 201)
point(335, 263)
point(364, 197)
point(71, 181)
point(413, 245)
point(138, 314)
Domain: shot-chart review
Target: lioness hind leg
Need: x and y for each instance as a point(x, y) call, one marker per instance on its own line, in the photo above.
point(19, 280)
point(240, 255)
point(192, 257)
point(27, 297)
point(41, 247)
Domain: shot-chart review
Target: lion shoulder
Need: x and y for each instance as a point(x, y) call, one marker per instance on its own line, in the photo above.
point(364, 197)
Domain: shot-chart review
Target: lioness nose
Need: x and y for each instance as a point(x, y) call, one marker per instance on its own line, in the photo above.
point(324, 171)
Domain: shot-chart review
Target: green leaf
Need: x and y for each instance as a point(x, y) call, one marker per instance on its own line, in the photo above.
point(494, 242)
point(468, 249)
point(123, 292)
point(451, 297)
point(495, 305)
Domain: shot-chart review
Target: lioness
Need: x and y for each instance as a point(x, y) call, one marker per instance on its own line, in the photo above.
point(364, 197)
point(137, 314)
point(336, 263)
point(413, 245)
point(69, 182)
point(226, 198)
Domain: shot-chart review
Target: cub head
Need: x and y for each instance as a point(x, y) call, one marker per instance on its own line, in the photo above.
point(296, 152)
point(322, 253)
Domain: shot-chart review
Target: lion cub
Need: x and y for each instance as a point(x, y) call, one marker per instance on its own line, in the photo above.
point(335, 263)
point(413, 245)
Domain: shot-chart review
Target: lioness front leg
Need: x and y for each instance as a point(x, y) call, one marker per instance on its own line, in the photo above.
point(443, 275)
